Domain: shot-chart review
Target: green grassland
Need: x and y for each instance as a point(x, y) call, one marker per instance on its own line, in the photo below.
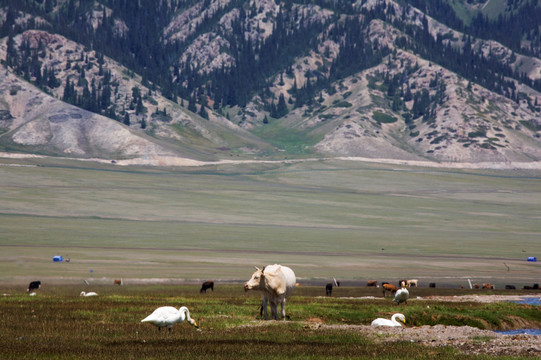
point(351, 220)
point(58, 324)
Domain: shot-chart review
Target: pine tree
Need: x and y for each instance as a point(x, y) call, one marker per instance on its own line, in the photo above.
point(281, 108)
point(127, 119)
point(203, 112)
point(68, 92)
point(11, 52)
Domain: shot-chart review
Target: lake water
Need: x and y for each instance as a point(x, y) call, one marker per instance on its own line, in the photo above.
point(529, 301)
point(520, 331)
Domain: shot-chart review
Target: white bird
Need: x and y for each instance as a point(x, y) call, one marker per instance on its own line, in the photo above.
point(392, 322)
point(402, 295)
point(91, 293)
point(168, 315)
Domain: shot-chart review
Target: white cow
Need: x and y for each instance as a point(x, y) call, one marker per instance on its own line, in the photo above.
point(276, 282)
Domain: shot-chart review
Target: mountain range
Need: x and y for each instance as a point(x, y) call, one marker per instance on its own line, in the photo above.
point(448, 81)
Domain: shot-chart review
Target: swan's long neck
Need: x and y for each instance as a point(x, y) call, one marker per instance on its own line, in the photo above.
point(393, 319)
point(188, 318)
point(185, 310)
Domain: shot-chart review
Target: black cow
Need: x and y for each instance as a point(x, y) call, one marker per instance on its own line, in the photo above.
point(328, 289)
point(510, 287)
point(207, 285)
point(34, 285)
point(432, 285)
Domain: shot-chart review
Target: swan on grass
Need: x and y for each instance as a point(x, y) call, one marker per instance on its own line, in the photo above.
point(392, 322)
point(90, 293)
point(167, 316)
point(402, 295)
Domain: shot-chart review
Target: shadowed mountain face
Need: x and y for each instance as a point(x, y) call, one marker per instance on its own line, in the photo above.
point(412, 80)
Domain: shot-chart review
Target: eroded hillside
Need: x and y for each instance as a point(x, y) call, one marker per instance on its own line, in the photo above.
point(264, 78)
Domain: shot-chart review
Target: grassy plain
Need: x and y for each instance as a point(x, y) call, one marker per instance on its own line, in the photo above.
point(58, 324)
point(351, 220)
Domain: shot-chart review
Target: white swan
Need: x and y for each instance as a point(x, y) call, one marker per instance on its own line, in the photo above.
point(392, 322)
point(168, 315)
point(91, 293)
point(402, 295)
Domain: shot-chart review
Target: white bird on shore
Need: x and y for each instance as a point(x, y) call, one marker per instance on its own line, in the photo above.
point(168, 315)
point(402, 295)
point(91, 293)
point(392, 322)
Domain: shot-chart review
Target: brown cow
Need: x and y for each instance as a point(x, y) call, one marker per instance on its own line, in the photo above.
point(117, 282)
point(373, 283)
point(487, 286)
point(389, 287)
point(207, 285)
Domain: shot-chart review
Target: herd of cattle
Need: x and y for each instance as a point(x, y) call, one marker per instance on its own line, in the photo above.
point(276, 283)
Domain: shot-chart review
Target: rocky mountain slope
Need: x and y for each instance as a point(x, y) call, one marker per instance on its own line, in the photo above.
point(268, 79)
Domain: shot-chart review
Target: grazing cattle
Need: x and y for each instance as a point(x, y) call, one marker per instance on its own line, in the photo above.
point(276, 282)
point(476, 286)
point(487, 286)
point(412, 283)
point(535, 286)
point(373, 283)
point(510, 287)
point(527, 287)
point(207, 285)
point(34, 285)
point(432, 285)
point(388, 288)
point(328, 289)
point(117, 282)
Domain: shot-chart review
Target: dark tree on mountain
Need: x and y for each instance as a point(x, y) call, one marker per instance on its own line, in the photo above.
point(49, 5)
point(70, 94)
point(139, 108)
point(203, 112)
point(105, 97)
point(11, 52)
point(192, 104)
point(126, 120)
point(52, 81)
point(280, 109)
point(421, 102)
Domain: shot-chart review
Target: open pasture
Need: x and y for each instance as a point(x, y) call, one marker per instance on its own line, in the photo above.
point(59, 324)
point(345, 219)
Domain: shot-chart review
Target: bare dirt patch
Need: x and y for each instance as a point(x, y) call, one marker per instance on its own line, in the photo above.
point(468, 340)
